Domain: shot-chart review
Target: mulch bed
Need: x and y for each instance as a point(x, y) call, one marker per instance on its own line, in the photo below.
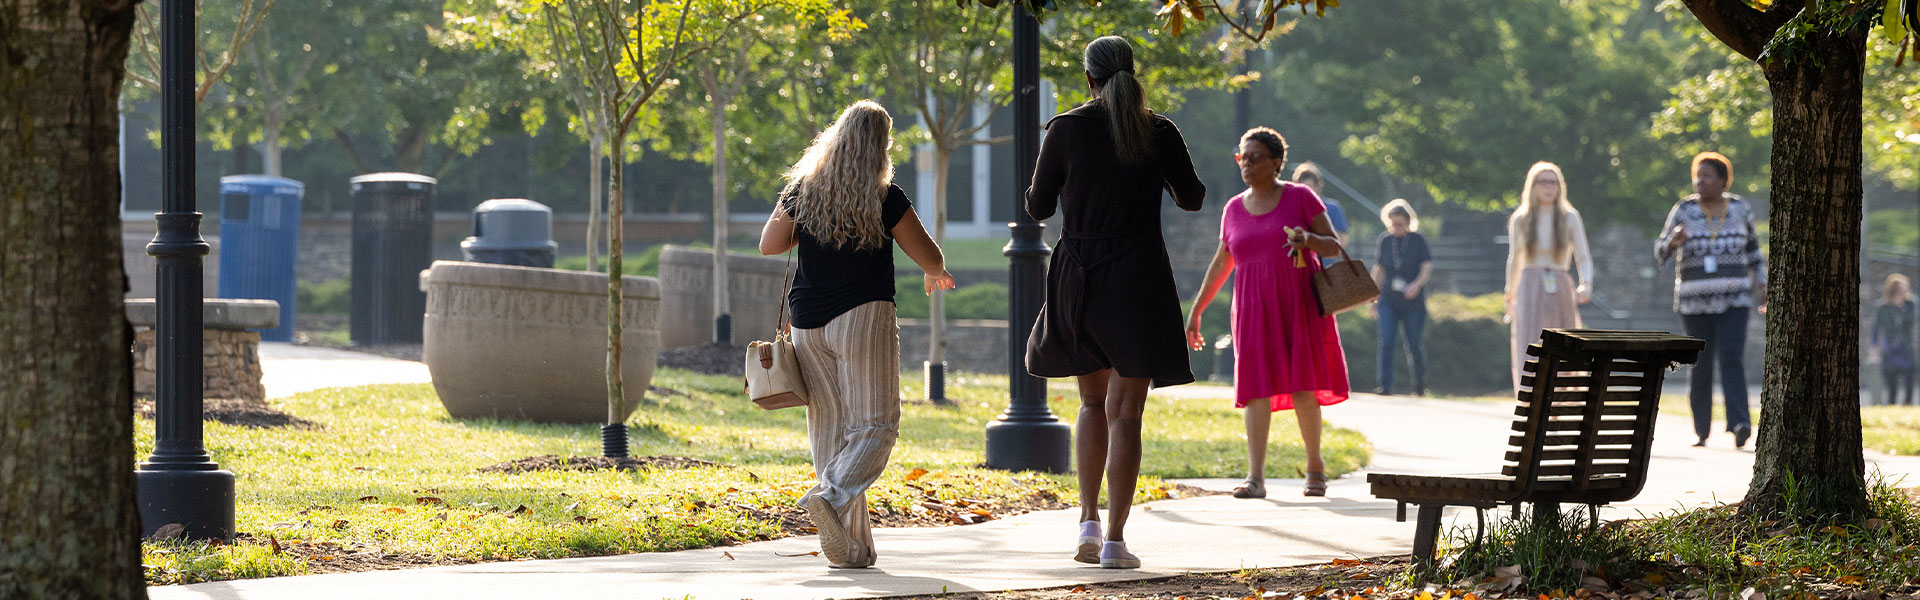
point(708, 359)
point(236, 411)
point(596, 463)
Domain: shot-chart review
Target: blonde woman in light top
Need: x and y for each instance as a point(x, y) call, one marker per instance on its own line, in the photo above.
point(1544, 238)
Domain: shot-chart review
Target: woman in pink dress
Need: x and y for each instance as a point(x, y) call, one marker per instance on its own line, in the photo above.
point(1286, 354)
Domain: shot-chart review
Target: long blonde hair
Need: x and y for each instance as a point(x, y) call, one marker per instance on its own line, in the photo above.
point(1523, 217)
point(839, 183)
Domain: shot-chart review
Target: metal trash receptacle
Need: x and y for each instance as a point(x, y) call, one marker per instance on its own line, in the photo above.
point(511, 231)
point(260, 233)
point(392, 244)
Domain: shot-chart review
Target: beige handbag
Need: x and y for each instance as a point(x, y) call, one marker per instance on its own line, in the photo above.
point(1343, 285)
point(772, 369)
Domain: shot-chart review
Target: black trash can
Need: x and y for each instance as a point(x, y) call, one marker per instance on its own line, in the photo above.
point(511, 231)
point(392, 244)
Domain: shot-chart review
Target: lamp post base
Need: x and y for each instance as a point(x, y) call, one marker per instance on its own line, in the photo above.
point(200, 500)
point(1045, 446)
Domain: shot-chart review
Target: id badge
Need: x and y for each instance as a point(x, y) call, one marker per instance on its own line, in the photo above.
point(1549, 283)
point(1399, 285)
point(1711, 264)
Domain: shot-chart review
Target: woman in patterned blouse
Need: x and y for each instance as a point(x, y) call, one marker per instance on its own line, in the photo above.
point(1719, 275)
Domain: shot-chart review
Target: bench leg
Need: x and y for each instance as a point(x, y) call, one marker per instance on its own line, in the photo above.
point(1544, 512)
point(1425, 529)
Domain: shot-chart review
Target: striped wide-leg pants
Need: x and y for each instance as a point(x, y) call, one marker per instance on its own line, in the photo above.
point(852, 369)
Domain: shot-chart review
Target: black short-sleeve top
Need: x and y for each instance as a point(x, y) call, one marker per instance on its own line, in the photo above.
point(829, 281)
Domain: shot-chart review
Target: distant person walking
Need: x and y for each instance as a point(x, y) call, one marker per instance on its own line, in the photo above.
point(844, 216)
point(1286, 354)
point(1309, 174)
point(1544, 238)
point(1402, 269)
point(1719, 275)
point(1112, 317)
point(1892, 339)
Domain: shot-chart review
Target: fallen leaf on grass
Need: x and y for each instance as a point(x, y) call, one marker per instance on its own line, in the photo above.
point(1837, 530)
point(570, 507)
point(275, 542)
point(520, 510)
point(813, 553)
point(1595, 583)
point(1079, 589)
point(369, 498)
point(1348, 562)
point(429, 500)
point(583, 519)
point(339, 523)
point(916, 474)
point(395, 510)
point(169, 531)
point(1851, 580)
point(1752, 594)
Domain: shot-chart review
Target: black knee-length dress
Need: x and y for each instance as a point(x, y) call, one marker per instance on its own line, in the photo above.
point(1111, 301)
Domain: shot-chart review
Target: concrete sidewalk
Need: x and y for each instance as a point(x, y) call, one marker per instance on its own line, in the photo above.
point(1214, 533)
point(289, 369)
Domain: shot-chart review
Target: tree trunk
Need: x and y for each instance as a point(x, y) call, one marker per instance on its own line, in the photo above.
point(616, 384)
point(937, 304)
point(596, 148)
point(1809, 462)
point(721, 303)
point(66, 408)
point(270, 124)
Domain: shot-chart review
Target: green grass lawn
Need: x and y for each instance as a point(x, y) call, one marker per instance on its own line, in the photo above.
point(1889, 429)
point(391, 473)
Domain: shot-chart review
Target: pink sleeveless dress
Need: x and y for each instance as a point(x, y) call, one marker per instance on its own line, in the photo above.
point(1281, 343)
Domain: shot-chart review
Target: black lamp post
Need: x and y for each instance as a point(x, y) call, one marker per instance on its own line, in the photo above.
point(180, 483)
point(1027, 437)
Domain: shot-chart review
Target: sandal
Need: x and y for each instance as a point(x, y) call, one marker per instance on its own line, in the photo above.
point(1252, 488)
point(1316, 485)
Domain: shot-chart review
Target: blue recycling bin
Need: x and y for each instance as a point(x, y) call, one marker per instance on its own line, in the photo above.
point(259, 241)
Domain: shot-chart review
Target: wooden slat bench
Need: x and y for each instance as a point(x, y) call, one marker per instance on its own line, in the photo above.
point(1583, 432)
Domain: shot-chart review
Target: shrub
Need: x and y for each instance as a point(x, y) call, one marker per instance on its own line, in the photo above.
point(644, 264)
point(330, 297)
point(977, 301)
point(1465, 340)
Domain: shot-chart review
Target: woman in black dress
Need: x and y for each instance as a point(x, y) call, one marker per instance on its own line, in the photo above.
point(1112, 318)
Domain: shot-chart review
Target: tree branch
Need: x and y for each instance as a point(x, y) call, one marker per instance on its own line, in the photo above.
point(1741, 27)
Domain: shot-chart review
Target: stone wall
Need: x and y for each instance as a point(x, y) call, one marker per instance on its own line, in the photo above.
point(974, 346)
point(232, 364)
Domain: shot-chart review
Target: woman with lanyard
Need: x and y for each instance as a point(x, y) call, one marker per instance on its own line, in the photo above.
point(1544, 237)
point(1402, 270)
point(1719, 276)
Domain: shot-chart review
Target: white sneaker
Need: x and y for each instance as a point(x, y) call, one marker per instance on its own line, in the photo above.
point(1114, 555)
point(1089, 551)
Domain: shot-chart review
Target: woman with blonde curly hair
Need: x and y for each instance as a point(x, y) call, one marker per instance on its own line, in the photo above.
point(1545, 238)
point(840, 209)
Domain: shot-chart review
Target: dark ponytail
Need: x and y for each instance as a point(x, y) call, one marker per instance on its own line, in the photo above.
point(1109, 61)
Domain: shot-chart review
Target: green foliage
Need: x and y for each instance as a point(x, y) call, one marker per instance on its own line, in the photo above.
point(1899, 228)
point(367, 476)
point(644, 264)
point(1464, 108)
point(1466, 343)
point(977, 301)
point(323, 297)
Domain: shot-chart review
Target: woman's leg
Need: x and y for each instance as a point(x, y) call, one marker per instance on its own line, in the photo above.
point(1259, 421)
point(1700, 381)
point(1126, 403)
point(1090, 441)
point(868, 343)
point(1416, 323)
point(1388, 328)
point(1731, 335)
point(1306, 408)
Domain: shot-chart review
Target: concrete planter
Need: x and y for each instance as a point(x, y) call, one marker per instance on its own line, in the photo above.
point(526, 343)
point(686, 292)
